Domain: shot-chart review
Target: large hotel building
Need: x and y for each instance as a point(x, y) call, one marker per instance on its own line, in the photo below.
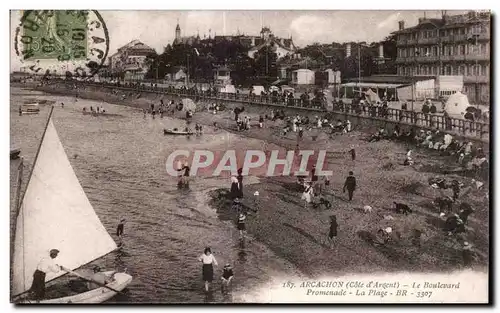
point(451, 45)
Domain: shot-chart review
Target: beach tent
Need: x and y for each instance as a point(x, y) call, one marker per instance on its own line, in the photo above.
point(372, 97)
point(457, 104)
point(228, 89)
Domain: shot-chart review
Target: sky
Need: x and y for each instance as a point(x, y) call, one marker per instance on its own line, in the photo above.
point(157, 28)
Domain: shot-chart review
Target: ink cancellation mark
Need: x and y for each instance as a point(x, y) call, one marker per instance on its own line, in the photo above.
point(58, 41)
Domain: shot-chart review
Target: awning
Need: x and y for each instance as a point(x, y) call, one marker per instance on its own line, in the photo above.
point(372, 85)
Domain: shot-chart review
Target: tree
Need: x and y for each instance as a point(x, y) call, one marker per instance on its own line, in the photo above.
point(266, 61)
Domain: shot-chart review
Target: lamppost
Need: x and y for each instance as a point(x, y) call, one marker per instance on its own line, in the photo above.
point(359, 65)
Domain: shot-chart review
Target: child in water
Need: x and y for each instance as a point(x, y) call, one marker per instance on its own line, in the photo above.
point(119, 230)
point(227, 277)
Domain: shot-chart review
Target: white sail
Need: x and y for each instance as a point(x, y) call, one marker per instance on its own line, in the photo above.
point(55, 214)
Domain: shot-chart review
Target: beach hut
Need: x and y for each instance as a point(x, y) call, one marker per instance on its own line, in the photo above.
point(457, 104)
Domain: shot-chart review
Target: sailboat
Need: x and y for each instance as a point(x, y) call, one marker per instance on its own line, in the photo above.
point(55, 213)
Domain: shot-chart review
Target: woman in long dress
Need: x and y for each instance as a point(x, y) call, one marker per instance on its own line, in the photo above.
point(208, 260)
point(333, 230)
point(235, 188)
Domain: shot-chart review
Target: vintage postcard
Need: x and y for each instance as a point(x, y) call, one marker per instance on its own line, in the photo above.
point(250, 156)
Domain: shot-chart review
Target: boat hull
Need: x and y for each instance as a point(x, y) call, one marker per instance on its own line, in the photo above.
point(29, 112)
point(99, 295)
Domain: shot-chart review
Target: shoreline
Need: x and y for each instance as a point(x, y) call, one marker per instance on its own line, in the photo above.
point(296, 234)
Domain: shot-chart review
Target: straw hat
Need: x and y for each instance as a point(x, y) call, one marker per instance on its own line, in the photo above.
point(256, 193)
point(54, 251)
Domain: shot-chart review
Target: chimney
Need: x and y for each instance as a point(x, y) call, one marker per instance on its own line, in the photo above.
point(381, 51)
point(401, 25)
point(347, 49)
point(420, 20)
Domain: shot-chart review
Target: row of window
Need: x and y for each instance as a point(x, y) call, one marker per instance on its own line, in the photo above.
point(462, 49)
point(463, 69)
point(473, 29)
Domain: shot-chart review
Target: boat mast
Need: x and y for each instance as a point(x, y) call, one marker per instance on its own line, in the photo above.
point(19, 199)
point(36, 157)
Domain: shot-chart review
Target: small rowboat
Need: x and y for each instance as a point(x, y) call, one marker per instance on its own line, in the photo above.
point(30, 108)
point(176, 132)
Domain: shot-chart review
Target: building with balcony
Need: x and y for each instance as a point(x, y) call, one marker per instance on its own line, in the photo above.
point(130, 60)
point(449, 46)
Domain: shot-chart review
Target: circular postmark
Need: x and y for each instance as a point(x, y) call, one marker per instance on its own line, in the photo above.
point(71, 43)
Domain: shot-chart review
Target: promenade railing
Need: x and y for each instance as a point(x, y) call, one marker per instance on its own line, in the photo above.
point(437, 121)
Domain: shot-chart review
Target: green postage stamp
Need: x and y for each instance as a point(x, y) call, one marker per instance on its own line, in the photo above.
point(76, 40)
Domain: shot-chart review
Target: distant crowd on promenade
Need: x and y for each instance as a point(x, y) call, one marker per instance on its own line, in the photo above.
point(473, 123)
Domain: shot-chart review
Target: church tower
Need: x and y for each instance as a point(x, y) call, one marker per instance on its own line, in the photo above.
point(177, 32)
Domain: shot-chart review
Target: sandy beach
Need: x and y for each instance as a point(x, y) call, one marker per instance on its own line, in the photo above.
point(281, 221)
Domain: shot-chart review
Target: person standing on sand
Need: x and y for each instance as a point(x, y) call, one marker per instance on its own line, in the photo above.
point(455, 186)
point(353, 153)
point(235, 188)
point(467, 254)
point(241, 225)
point(333, 230)
point(307, 194)
point(314, 177)
point(350, 184)
point(208, 260)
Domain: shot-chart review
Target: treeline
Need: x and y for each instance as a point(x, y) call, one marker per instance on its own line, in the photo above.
point(201, 58)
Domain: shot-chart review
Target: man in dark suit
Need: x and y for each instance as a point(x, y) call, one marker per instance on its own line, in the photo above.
point(350, 184)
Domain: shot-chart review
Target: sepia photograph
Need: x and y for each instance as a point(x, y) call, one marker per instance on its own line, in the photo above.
point(256, 156)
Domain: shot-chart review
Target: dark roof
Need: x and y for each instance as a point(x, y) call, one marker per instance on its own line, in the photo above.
point(436, 22)
point(391, 79)
point(222, 68)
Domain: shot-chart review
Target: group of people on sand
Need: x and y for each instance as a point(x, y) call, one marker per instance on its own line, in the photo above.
point(467, 154)
point(317, 188)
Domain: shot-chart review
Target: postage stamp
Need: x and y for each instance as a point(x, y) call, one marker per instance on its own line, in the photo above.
point(62, 40)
